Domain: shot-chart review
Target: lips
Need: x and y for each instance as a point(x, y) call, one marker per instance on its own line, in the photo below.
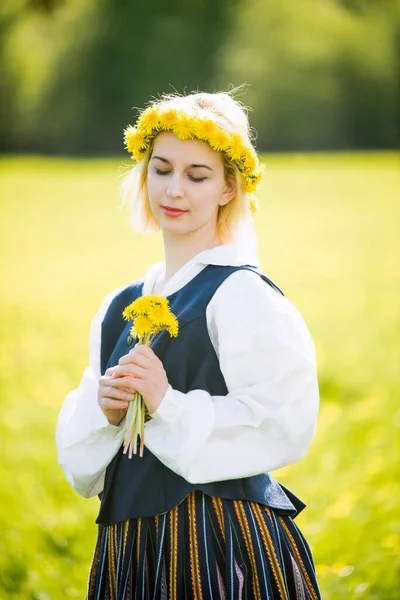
point(173, 212)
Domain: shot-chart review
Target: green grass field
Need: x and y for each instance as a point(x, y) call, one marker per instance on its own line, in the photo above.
point(329, 235)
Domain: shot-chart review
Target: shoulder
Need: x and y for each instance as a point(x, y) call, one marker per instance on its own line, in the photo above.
point(247, 287)
point(246, 301)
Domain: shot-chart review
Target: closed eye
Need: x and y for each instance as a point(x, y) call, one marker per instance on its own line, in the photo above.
point(167, 172)
point(197, 179)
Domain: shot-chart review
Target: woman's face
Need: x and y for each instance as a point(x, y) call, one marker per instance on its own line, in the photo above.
point(186, 185)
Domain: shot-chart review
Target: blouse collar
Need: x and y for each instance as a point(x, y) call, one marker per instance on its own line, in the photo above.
point(225, 254)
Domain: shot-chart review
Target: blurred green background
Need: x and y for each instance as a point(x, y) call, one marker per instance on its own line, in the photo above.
point(323, 78)
point(324, 74)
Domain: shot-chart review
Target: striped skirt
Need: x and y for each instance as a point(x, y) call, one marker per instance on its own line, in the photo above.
point(205, 548)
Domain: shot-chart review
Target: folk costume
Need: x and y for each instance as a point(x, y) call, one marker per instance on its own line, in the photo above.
point(199, 516)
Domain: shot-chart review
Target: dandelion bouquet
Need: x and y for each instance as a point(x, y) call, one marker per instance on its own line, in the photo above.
point(150, 315)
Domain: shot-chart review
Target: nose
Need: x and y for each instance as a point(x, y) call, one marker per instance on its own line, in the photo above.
point(175, 188)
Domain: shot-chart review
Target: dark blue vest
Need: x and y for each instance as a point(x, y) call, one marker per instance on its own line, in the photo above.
point(143, 486)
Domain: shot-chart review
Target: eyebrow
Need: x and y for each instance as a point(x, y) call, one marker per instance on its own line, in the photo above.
point(190, 166)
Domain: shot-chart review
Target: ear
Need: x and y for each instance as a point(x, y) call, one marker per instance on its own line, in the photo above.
point(229, 192)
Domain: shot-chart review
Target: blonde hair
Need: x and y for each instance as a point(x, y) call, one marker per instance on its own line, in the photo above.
point(230, 116)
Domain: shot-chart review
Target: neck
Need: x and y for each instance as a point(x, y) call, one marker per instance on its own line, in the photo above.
point(180, 249)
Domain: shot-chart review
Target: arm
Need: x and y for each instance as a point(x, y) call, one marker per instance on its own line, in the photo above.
point(267, 419)
point(86, 442)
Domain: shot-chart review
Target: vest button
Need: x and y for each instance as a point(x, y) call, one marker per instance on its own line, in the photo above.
point(129, 340)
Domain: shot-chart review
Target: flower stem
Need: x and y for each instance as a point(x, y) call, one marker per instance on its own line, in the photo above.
point(132, 422)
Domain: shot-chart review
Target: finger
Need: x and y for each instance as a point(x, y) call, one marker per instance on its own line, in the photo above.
point(109, 371)
point(112, 392)
point(107, 380)
point(111, 404)
point(136, 358)
point(131, 370)
point(126, 382)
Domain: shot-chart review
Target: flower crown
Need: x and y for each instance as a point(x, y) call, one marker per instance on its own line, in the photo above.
point(155, 119)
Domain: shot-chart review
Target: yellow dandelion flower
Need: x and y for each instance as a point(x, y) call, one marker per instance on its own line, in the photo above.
point(148, 120)
point(167, 119)
point(159, 315)
point(220, 141)
point(142, 326)
point(155, 300)
point(128, 313)
point(250, 160)
point(249, 184)
point(130, 138)
point(150, 315)
point(138, 154)
point(173, 326)
point(140, 138)
point(136, 308)
point(135, 142)
point(235, 149)
point(204, 130)
point(183, 127)
point(258, 176)
point(134, 138)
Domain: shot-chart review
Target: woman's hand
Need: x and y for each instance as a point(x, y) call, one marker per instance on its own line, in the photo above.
point(146, 373)
point(114, 396)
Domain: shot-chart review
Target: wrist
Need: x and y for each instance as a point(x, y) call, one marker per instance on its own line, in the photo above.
point(153, 405)
point(171, 407)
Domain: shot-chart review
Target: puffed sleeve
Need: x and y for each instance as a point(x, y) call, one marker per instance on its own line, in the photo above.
point(86, 442)
point(267, 420)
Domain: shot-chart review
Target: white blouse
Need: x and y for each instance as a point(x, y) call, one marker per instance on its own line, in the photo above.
point(267, 419)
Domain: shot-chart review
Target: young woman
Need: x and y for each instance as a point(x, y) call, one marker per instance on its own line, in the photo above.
point(231, 398)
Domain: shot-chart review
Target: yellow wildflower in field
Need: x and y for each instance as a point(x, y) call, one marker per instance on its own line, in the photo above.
point(150, 315)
